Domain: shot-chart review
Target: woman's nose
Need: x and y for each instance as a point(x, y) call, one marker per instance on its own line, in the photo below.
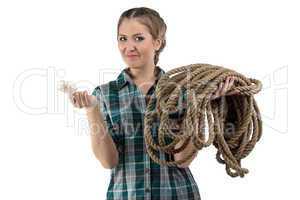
point(130, 46)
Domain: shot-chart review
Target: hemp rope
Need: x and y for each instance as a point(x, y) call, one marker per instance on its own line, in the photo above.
point(238, 110)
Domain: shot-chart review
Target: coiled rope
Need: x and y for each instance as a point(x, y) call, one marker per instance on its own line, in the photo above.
point(239, 111)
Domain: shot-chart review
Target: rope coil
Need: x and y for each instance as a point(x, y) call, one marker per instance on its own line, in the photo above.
point(239, 112)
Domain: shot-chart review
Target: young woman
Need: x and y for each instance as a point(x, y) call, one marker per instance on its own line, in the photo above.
point(117, 123)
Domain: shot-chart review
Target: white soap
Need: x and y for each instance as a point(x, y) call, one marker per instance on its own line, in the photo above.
point(68, 88)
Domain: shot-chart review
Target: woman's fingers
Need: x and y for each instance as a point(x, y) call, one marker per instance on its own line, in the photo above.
point(83, 100)
point(86, 99)
point(73, 100)
point(231, 81)
point(225, 87)
point(233, 92)
point(80, 100)
point(230, 86)
point(216, 93)
point(76, 99)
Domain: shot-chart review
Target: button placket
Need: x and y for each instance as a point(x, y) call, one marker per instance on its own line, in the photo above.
point(115, 127)
point(147, 170)
point(147, 178)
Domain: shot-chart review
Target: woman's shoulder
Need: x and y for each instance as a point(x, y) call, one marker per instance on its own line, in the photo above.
point(105, 89)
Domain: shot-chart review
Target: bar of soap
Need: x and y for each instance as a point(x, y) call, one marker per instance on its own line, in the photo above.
point(67, 87)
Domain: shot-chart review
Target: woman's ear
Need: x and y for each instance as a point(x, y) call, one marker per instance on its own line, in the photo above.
point(157, 44)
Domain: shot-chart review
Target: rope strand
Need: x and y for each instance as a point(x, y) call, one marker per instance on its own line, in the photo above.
point(240, 111)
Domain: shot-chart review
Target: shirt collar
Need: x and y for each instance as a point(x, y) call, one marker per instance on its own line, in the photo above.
point(125, 77)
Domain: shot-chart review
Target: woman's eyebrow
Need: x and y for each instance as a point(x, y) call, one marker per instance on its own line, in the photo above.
point(132, 35)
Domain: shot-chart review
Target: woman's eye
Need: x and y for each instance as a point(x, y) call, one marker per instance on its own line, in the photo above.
point(121, 38)
point(140, 38)
point(137, 38)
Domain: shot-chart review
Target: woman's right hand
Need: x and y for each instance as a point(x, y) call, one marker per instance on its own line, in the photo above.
point(81, 99)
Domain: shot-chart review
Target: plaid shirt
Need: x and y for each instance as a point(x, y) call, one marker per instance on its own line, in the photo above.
point(137, 176)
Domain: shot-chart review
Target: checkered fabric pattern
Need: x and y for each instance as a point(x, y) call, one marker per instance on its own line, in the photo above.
point(137, 176)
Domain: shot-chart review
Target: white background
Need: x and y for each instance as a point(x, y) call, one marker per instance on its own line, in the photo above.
point(45, 150)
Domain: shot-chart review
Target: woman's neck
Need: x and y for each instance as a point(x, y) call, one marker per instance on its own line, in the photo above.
point(143, 75)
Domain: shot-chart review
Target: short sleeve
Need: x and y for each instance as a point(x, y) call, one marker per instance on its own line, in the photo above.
point(106, 116)
point(101, 103)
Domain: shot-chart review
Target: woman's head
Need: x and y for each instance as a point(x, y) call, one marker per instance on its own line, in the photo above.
point(149, 42)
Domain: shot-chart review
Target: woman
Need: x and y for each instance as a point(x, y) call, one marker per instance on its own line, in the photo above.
point(117, 123)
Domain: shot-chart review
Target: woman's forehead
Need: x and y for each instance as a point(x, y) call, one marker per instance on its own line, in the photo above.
point(131, 27)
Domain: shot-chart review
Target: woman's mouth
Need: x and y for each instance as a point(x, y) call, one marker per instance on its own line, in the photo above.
point(132, 56)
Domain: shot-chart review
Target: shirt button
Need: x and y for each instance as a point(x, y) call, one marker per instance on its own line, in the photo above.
point(120, 149)
point(147, 190)
point(115, 127)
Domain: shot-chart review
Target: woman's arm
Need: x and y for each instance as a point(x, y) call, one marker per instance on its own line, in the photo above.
point(103, 145)
point(178, 156)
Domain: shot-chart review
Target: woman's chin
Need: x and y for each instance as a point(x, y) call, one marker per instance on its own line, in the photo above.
point(133, 64)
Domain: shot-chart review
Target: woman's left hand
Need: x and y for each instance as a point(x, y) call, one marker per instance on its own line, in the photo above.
point(223, 88)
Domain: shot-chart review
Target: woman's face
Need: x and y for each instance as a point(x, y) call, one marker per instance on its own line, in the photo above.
point(136, 44)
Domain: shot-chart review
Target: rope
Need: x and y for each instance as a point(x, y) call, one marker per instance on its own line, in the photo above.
point(239, 111)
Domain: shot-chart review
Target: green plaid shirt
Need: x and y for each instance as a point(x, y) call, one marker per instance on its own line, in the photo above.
point(137, 176)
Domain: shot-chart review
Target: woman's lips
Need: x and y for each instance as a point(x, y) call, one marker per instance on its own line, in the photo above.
point(132, 56)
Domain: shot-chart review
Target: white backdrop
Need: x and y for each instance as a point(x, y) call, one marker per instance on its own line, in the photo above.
point(45, 150)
